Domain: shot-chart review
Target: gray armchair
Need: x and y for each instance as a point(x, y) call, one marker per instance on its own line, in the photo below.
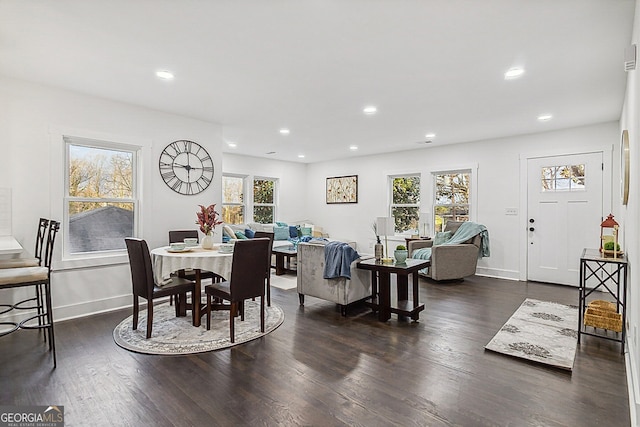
point(449, 262)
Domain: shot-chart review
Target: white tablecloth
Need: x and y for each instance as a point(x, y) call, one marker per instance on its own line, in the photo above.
point(165, 263)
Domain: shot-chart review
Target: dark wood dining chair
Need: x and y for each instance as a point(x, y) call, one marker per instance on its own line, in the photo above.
point(40, 277)
point(145, 286)
point(270, 236)
point(247, 281)
point(178, 236)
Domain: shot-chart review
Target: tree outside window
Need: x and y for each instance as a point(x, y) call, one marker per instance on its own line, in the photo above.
point(264, 200)
point(452, 196)
point(100, 196)
point(233, 199)
point(405, 202)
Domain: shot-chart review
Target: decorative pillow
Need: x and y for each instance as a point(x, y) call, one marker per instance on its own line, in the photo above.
point(249, 233)
point(282, 224)
point(240, 235)
point(306, 231)
point(293, 231)
point(225, 238)
point(280, 233)
point(441, 237)
point(228, 231)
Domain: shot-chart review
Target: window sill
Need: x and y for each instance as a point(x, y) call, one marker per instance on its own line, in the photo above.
point(90, 261)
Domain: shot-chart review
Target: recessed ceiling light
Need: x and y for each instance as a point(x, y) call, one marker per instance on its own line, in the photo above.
point(232, 144)
point(544, 117)
point(301, 156)
point(513, 73)
point(370, 109)
point(285, 131)
point(164, 75)
point(430, 135)
point(353, 147)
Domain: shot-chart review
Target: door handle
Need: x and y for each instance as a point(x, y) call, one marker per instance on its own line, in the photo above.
point(531, 228)
point(531, 220)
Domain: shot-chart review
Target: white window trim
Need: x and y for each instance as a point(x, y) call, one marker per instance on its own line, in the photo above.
point(276, 185)
point(245, 194)
point(58, 163)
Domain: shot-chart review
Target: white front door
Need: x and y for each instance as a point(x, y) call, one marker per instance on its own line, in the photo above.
point(564, 214)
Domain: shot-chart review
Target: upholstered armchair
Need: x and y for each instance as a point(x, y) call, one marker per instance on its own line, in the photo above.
point(450, 261)
point(341, 290)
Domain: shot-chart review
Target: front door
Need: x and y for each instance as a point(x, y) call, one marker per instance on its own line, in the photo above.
point(564, 214)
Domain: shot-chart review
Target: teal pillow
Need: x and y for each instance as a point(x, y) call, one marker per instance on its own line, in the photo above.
point(306, 231)
point(240, 235)
point(441, 237)
point(280, 233)
point(282, 224)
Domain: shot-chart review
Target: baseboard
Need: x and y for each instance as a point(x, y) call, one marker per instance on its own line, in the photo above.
point(632, 384)
point(498, 273)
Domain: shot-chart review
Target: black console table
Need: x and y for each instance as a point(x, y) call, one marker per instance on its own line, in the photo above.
point(609, 275)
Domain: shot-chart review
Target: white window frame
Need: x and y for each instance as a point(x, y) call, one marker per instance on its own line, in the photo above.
point(473, 183)
point(135, 150)
point(275, 196)
point(390, 179)
point(245, 194)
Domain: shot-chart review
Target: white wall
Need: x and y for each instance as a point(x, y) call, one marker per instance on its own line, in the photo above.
point(498, 165)
point(292, 182)
point(631, 227)
point(32, 120)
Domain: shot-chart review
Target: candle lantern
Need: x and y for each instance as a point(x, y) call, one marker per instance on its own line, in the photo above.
point(609, 233)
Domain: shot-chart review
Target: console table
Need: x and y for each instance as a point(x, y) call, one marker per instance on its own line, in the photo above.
point(283, 257)
point(381, 287)
point(610, 275)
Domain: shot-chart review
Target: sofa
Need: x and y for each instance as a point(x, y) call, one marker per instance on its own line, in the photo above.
point(450, 261)
point(342, 291)
point(285, 234)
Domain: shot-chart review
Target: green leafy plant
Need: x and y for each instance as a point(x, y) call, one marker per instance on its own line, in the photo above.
point(608, 246)
point(401, 248)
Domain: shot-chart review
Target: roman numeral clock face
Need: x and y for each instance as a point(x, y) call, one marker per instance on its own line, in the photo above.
point(186, 167)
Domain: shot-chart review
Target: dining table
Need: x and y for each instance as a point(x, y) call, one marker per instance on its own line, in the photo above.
point(166, 261)
point(9, 246)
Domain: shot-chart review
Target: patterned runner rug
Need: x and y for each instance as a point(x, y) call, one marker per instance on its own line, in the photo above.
point(540, 331)
point(173, 335)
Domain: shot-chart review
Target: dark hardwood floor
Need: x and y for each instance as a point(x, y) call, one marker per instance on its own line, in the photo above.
point(321, 369)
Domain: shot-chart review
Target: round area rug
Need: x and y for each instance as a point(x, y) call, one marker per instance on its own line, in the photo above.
point(173, 335)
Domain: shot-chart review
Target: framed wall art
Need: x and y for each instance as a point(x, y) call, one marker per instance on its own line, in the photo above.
point(342, 189)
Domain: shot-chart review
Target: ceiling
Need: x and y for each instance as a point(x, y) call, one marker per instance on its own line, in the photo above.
point(255, 66)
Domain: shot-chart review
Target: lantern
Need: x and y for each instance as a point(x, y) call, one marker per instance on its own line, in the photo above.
point(609, 233)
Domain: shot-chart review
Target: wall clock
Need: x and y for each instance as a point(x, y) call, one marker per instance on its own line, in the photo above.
point(624, 167)
point(186, 167)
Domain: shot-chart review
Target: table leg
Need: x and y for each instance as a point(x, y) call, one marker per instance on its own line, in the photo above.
point(384, 293)
point(403, 287)
point(195, 309)
point(279, 264)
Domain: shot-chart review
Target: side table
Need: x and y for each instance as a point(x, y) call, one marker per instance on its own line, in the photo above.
point(381, 287)
point(283, 257)
point(610, 275)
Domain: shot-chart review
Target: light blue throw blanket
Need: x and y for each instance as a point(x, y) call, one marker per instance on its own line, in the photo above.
point(467, 231)
point(338, 257)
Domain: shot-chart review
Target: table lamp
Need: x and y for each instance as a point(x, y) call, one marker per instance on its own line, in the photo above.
point(386, 225)
point(424, 219)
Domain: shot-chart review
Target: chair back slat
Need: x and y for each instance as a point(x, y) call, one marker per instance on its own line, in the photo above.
point(178, 236)
point(270, 236)
point(141, 268)
point(43, 223)
point(250, 261)
point(54, 226)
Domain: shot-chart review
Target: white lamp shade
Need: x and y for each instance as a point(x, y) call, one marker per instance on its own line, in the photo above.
point(385, 226)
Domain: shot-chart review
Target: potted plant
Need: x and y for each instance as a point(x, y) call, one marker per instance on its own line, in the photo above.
point(608, 249)
point(400, 254)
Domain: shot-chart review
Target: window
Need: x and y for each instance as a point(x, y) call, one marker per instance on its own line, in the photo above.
point(405, 202)
point(452, 197)
point(100, 195)
point(233, 199)
point(264, 207)
point(563, 178)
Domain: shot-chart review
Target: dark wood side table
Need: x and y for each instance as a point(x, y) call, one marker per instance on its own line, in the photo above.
point(283, 258)
point(381, 287)
point(609, 275)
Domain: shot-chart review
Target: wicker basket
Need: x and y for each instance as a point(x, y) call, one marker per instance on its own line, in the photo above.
point(603, 305)
point(603, 319)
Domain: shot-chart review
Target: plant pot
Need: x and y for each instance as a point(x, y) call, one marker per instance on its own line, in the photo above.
point(400, 256)
point(207, 241)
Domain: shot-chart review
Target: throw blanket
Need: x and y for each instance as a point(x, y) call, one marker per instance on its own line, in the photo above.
point(338, 257)
point(467, 231)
